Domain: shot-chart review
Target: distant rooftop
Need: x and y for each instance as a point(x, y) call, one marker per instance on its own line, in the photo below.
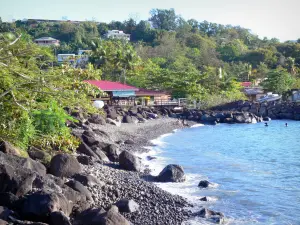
point(105, 85)
point(46, 39)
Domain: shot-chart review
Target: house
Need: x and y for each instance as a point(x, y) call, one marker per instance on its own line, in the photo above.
point(294, 95)
point(119, 94)
point(252, 92)
point(61, 58)
point(117, 34)
point(47, 41)
point(149, 97)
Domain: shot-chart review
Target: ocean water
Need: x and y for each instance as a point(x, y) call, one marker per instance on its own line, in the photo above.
point(255, 170)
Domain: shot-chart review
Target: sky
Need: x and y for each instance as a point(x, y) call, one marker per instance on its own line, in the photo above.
point(266, 18)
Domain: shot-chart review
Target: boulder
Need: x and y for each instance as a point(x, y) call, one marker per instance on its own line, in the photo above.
point(111, 113)
point(77, 186)
point(8, 200)
point(113, 122)
point(101, 155)
point(215, 217)
point(171, 173)
point(48, 183)
point(7, 148)
point(59, 218)
point(87, 180)
point(39, 205)
point(92, 216)
point(15, 180)
point(128, 161)
point(204, 184)
point(85, 160)
point(5, 213)
point(37, 154)
point(126, 205)
point(129, 142)
point(204, 199)
point(23, 163)
point(127, 119)
point(64, 165)
point(98, 216)
point(33, 165)
point(84, 149)
point(97, 119)
point(112, 152)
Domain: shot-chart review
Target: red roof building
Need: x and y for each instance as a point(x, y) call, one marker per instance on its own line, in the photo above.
point(105, 85)
point(246, 84)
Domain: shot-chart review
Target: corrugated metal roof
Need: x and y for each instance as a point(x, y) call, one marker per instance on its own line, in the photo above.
point(46, 39)
point(105, 85)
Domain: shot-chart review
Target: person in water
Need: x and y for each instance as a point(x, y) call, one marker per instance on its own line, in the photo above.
point(266, 124)
point(286, 124)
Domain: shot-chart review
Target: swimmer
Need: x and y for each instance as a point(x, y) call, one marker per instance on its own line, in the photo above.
point(266, 124)
point(286, 124)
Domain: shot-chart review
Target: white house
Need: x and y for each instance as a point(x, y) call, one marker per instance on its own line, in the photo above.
point(118, 34)
point(47, 41)
point(66, 58)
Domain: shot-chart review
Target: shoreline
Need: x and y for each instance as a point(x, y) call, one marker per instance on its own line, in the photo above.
point(157, 206)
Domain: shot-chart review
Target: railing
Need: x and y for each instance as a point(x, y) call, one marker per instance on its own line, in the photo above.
point(177, 102)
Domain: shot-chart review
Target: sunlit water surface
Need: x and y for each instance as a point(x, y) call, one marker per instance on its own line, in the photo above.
point(256, 169)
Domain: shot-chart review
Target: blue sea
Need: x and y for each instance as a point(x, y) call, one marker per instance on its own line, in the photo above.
point(255, 170)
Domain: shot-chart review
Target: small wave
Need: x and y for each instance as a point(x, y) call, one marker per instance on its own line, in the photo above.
point(197, 125)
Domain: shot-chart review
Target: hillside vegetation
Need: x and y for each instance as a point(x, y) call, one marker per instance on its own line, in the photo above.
point(197, 60)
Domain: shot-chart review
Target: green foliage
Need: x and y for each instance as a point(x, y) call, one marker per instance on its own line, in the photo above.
point(278, 81)
point(33, 95)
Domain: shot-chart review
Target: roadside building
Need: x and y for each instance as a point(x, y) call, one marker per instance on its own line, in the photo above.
point(252, 92)
point(149, 97)
point(69, 58)
point(117, 93)
point(117, 34)
point(47, 41)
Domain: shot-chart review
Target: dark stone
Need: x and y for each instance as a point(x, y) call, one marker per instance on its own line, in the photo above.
point(266, 119)
point(215, 217)
point(64, 165)
point(101, 155)
point(59, 218)
point(37, 154)
point(97, 119)
point(171, 173)
point(19, 163)
point(112, 152)
point(204, 199)
point(127, 119)
point(15, 180)
point(7, 148)
point(84, 149)
point(150, 157)
point(4, 213)
point(111, 113)
point(98, 216)
point(126, 205)
point(129, 142)
point(204, 184)
point(87, 180)
point(48, 183)
point(77, 186)
point(128, 161)
point(85, 160)
point(39, 205)
point(8, 200)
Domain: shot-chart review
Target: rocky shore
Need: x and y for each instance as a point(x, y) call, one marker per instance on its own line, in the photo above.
point(103, 182)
